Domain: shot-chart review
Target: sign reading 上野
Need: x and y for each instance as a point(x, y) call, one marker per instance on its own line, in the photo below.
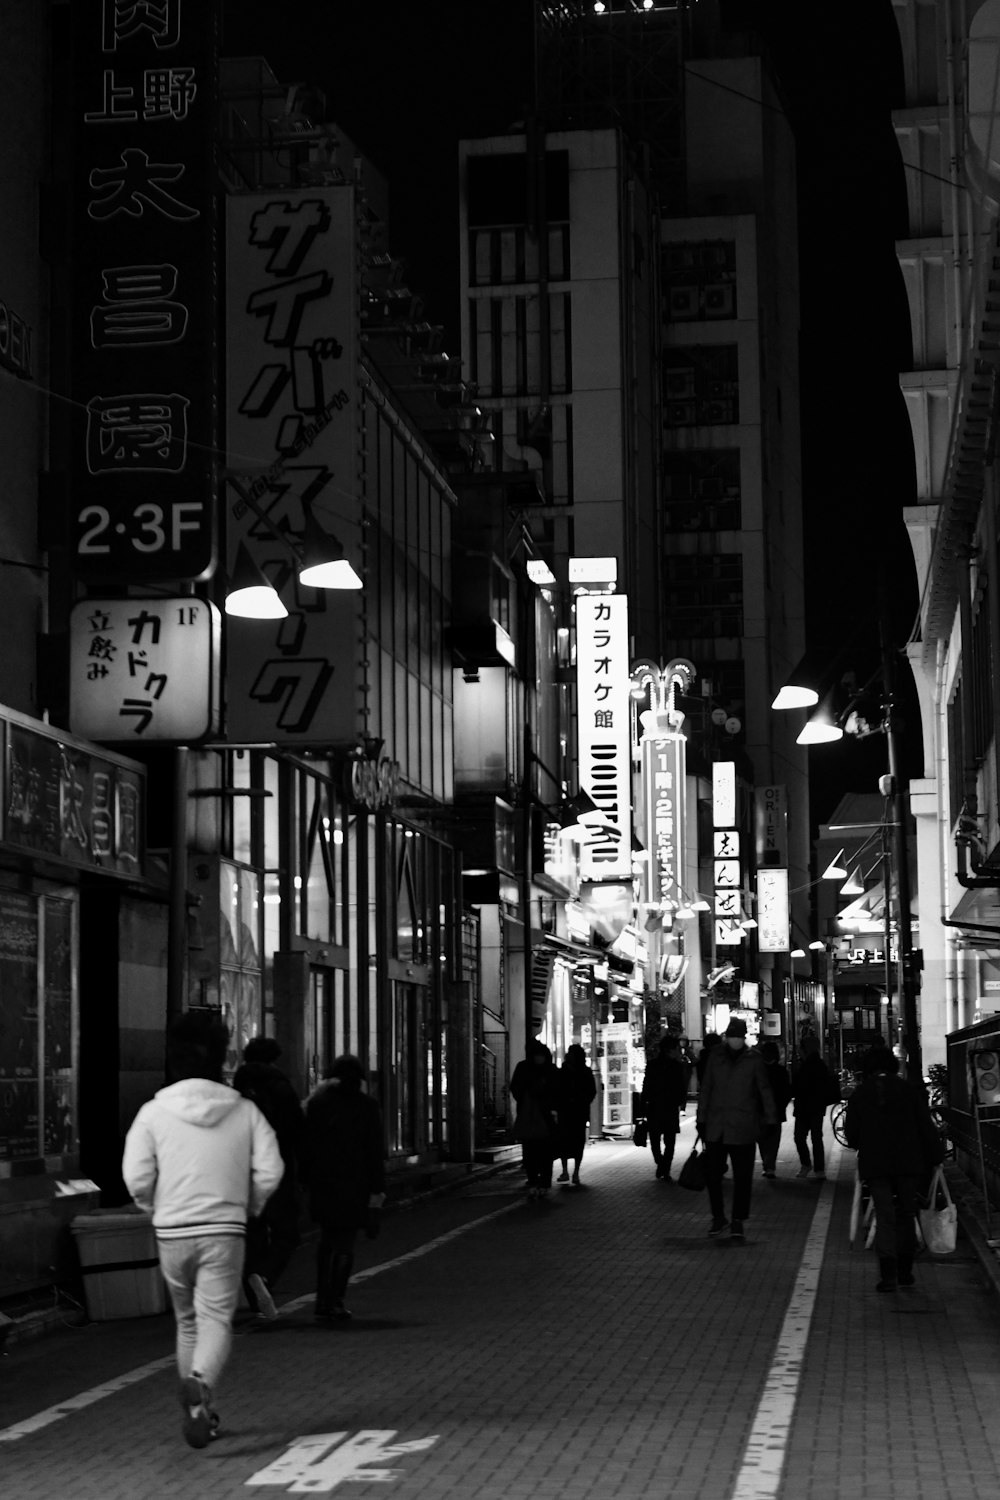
point(603, 731)
point(143, 388)
point(772, 911)
point(292, 391)
point(144, 669)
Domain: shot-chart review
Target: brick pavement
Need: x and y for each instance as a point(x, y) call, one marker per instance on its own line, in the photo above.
point(593, 1347)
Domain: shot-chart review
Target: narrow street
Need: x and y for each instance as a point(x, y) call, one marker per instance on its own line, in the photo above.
point(593, 1346)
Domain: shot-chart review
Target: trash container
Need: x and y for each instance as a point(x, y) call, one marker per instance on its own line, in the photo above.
point(121, 1272)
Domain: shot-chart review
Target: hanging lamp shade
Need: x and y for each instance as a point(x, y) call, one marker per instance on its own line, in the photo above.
point(822, 727)
point(853, 885)
point(251, 596)
point(801, 687)
point(836, 869)
point(324, 564)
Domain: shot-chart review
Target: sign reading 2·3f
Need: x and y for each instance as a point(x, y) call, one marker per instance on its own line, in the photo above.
point(145, 419)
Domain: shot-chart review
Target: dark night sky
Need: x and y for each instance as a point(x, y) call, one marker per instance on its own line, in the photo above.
point(405, 80)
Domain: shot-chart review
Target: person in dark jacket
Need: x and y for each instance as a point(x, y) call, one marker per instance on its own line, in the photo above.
point(274, 1234)
point(735, 1100)
point(813, 1088)
point(769, 1138)
point(712, 1040)
point(577, 1087)
point(888, 1123)
point(534, 1087)
point(664, 1097)
point(343, 1166)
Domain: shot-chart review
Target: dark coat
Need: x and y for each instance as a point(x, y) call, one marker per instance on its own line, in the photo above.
point(888, 1123)
point(575, 1094)
point(534, 1087)
point(278, 1102)
point(735, 1098)
point(664, 1088)
point(812, 1086)
point(781, 1087)
point(343, 1163)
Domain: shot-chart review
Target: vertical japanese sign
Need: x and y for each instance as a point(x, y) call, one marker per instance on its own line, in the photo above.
point(144, 669)
point(292, 319)
point(143, 384)
point(603, 730)
point(664, 786)
point(727, 865)
point(772, 911)
point(771, 817)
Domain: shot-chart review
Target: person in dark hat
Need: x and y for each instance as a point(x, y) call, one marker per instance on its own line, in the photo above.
point(734, 1102)
point(664, 1096)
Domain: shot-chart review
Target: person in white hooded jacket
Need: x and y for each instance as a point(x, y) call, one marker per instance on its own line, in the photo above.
point(200, 1158)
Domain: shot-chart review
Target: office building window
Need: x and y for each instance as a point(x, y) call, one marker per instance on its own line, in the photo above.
point(701, 489)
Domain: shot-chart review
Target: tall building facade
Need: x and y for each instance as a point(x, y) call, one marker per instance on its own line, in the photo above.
point(946, 132)
point(630, 324)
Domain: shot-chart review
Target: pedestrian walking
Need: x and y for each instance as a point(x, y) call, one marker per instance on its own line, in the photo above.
point(664, 1099)
point(888, 1123)
point(575, 1095)
point(712, 1040)
point(813, 1088)
point(273, 1235)
point(534, 1087)
point(200, 1159)
point(769, 1139)
point(343, 1166)
point(734, 1101)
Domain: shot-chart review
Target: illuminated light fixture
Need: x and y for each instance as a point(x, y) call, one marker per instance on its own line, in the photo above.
point(748, 923)
point(817, 946)
point(799, 689)
point(684, 911)
point(853, 885)
point(836, 869)
point(647, 4)
point(540, 573)
point(822, 728)
point(251, 596)
point(324, 564)
point(599, 7)
point(700, 903)
point(797, 953)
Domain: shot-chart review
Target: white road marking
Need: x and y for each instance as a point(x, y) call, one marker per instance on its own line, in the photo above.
point(110, 1388)
point(764, 1457)
point(316, 1464)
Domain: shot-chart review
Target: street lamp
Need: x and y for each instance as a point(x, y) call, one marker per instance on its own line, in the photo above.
point(895, 789)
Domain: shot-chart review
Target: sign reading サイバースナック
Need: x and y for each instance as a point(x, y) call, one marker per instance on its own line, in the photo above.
point(144, 423)
point(292, 313)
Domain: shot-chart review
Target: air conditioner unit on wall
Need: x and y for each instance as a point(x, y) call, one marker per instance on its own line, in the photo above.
point(682, 303)
point(681, 413)
point(715, 411)
point(718, 299)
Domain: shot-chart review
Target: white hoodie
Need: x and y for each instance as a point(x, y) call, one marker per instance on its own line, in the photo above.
point(200, 1157)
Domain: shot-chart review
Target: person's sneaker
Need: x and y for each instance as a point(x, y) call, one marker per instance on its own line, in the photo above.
point(576, 1179)
point(563, 1177)
point(736, 1230)
point(819, 1176)
point(769, 1174)
point(717, 1226)
point(262, 1296)
point(803, 1172)
point(197, 1420)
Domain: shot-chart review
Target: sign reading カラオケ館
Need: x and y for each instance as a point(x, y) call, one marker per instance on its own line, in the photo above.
point(604, 732)
point(144, 433)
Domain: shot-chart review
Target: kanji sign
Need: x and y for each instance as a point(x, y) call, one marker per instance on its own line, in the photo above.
point(317, 1464)
point(772, 911)
point(292, 315)
point(144, 434)
point(604, 731)
point(144, 669)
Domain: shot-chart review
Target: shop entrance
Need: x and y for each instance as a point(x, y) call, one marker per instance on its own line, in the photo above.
point(329, 1028)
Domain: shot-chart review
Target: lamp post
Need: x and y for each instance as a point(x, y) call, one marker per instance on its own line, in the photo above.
point(827, 727)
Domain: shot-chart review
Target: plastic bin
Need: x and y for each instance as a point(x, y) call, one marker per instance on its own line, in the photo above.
point(121, 1272)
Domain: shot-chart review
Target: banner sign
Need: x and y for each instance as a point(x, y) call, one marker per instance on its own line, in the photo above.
point(665, 815)
point(771, 817)
point(144, 669)
point(727, 865)
point(63, 801)
point(604, 732)
point(144, 434)
point(292, 319)
point(772, 911)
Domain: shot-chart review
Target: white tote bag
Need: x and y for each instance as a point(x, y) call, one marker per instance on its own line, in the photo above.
point(939, 1225)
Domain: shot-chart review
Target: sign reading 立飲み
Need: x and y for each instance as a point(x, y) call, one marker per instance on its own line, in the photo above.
point(603, 739)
